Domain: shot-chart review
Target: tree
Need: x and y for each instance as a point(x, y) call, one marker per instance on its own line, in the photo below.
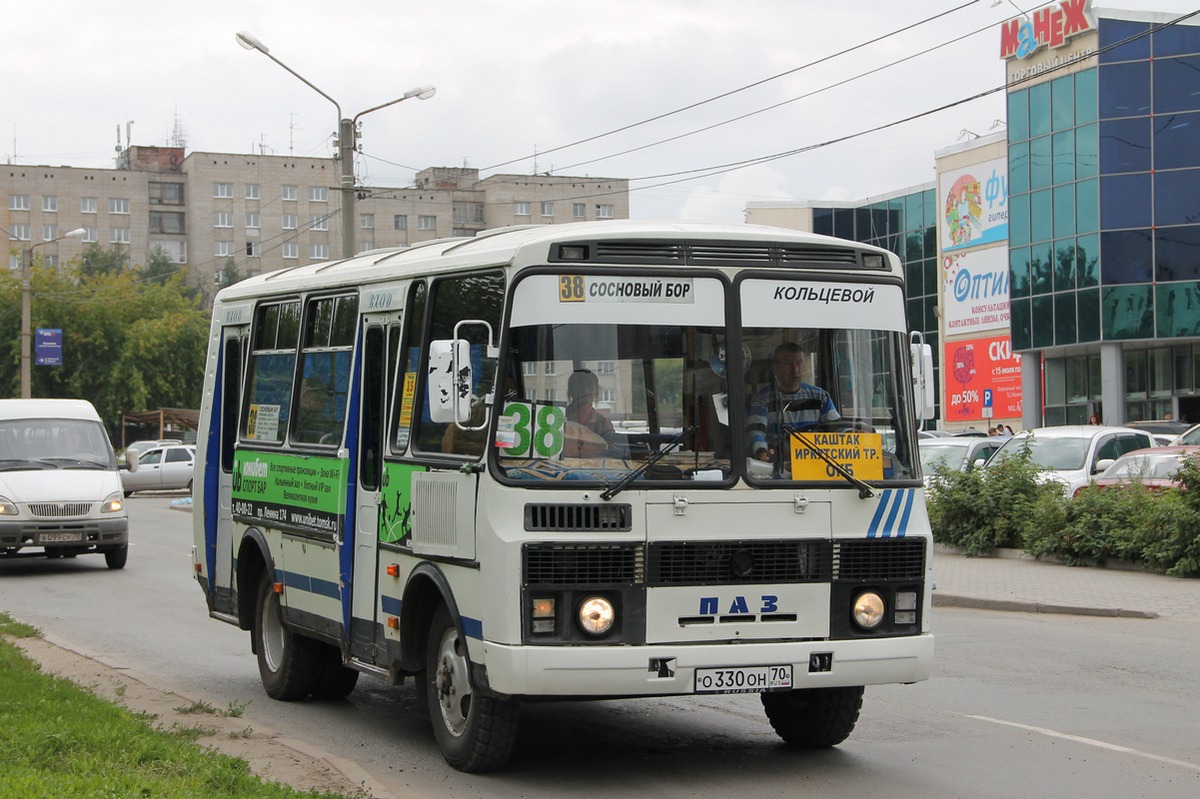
point(230, 273)
point(158, 268)
point(98, 261)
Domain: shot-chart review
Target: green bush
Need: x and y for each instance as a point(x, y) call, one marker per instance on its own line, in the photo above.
point(984, 509)
point(1005, 506)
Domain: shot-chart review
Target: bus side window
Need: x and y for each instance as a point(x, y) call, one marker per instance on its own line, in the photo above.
point(405, 361)
point(271, 369)
point(455, 299)
point(329, 331)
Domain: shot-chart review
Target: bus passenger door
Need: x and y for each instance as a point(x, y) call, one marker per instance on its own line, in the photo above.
point(378, 338)
point(234, 341)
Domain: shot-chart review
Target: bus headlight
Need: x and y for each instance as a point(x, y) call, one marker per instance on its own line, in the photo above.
point(868, 610)
point(596, 615)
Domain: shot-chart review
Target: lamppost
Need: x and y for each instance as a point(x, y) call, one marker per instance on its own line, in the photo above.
point(26, 303)
point(347, 136)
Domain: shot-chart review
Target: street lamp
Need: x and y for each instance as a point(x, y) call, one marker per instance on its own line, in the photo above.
point(26, 333)
point(347, 136)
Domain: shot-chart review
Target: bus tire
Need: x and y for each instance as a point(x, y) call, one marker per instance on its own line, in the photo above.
point(287, 663)
point(115, 558)
point(814, 718)
point(475, 732)
point(335, 680)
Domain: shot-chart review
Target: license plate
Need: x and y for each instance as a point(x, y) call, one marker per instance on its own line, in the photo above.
point(61, 538)
point(744, 680)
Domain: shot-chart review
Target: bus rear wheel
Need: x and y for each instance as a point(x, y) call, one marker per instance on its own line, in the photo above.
point(814, 718)
point(475, 732)
point(288, 664)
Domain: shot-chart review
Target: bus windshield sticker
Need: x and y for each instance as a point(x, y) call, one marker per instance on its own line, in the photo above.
point(527, 430)
point(860, 454)
point(263, 423)
point(594, 288)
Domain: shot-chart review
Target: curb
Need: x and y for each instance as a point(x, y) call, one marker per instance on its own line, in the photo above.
point(1021, 606)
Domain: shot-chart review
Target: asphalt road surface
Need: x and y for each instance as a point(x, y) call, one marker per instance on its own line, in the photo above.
point(1020, 705)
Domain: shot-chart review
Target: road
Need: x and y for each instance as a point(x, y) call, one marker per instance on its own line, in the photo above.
point(1020, 705)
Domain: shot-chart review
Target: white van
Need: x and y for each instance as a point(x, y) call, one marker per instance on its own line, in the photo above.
point(60, 492)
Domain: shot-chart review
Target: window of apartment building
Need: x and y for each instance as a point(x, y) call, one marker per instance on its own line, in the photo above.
point(252, 219)
point(223, 249)
point(14, 261)
point(606, 367)
point(426, 222)
point(400, 222)
point(579, 210)
point(166, 222)
point(318, 222)
point(467, 213)
point(118, 205)
point(87, 205)
point(551, 394)
point(608, 395)
point(520, 209)
point(251, 191)
point(223, 219)
point(49, 232)
point(118, 235)
point(530, 368)
point(90, 234)
point(290, 221)
point(253, 249)
point(19, 232)
point(50, 204)
point(364, 246)
point(50, 260)
point(18, 202)
point(166, 193)
point(318, 252)
point(289, 193)
point(318, 194)
point(176, 251)
point(290, 250)
point(223, 190)
point(550, 367)
point(366, 221)
point(604, 211)
point(547, 209)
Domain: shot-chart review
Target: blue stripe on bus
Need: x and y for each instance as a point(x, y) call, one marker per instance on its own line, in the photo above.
point(311, 585)
point(472, 628)
point(210, 485)
point(873, 528)
point(908, 506)
point(891, 519)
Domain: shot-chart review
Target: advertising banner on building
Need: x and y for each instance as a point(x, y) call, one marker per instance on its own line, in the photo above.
point(974, 205)
point(982, 380)
point(975, 295)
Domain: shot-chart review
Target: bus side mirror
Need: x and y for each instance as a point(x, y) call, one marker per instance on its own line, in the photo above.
point(449, 380)
point(921, 355)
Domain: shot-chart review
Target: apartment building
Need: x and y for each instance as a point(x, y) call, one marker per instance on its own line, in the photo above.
point(268, 212)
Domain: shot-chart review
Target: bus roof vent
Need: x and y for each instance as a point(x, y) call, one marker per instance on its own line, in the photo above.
point(546, 517)
point(720, 253)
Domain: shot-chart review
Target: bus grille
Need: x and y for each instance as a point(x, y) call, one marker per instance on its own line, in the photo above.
point(570, 564)
point(879, 560)
point(59, 510)
point(739, 562)
point(577, 518)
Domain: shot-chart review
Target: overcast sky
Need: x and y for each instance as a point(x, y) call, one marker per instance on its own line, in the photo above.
point(520, 77)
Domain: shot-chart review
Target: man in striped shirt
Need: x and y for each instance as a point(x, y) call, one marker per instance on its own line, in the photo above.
point(787, 400)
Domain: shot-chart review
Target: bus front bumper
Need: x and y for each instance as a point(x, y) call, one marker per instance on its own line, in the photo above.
point(667, 670)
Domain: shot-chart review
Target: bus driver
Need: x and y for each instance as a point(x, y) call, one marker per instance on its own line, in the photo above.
point(786, 400)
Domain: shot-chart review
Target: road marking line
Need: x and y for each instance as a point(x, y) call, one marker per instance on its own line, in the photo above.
point(1090, 742)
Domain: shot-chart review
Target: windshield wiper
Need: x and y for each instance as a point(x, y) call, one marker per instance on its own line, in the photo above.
point(864, 490)
point(624, 482)
point(19, 465)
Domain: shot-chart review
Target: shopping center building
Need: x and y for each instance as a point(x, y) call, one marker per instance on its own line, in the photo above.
point(1092, 196)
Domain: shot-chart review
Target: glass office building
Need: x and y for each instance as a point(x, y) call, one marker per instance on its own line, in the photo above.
point(1104, 224)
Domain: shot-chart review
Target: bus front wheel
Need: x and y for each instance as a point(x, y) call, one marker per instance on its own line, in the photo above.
point(475, 732)
point(814, 718)
point(288, 663)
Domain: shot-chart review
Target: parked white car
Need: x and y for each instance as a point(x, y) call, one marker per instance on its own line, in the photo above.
point(160, 468)
point(1073, 454)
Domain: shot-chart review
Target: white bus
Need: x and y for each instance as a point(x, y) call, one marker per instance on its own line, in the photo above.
point(571, 462)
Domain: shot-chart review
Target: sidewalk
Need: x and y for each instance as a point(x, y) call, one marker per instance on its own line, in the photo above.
point(1022, 584)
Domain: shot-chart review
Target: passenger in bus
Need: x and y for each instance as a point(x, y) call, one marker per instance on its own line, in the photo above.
point(583, 389)
point(315, 423)
point(785, 400)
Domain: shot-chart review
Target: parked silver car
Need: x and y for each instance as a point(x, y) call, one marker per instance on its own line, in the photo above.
point(158, 468)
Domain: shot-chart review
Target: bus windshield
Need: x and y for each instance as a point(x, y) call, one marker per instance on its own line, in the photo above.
point(594, 390)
